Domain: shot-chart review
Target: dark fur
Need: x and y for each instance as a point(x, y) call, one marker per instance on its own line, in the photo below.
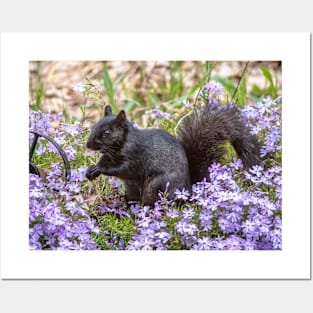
point(147, 159)
point(203, 132)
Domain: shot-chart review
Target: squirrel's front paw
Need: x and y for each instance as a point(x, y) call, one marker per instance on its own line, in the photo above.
point(92, 172)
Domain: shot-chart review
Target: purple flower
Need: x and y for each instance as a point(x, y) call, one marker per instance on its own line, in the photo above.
point(79, 87)
point(234, 243)
point(225, 225)
point(236, 164)
point(135, 209)
point(248, 227)
point(73, 130)
point(186, 228)
point(278, 99)
point(183, 194)
point(206, 220)
point(70, 153)
point(204, 243)
point(157, 211)
point(40, 122)
point(214, 87)
point(115, 183)
point(78, 174)
point(73, 207)
point(187, 104)
point(159, 113)
point(271, 142)
point(172, 213)
point(248, 245)
point(59, 116)
point(233, 216)
point(188, 213)
point(219, 244)
point(234, 209)
point(60, 138)
point(41, 148)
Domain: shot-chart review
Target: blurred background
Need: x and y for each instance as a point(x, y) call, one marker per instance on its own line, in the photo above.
point(57, 86)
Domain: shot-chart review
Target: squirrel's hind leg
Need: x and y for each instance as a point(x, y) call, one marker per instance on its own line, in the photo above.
point(151, 189)
point(169, 183)
point(133, 191)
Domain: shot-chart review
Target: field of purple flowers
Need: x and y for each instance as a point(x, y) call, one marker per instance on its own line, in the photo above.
point(236, 210)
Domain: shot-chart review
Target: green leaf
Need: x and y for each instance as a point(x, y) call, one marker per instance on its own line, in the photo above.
point(228, 85)
point(208, 69)
point(267, 74)
point(120, 79)
point(176, 79)
point(242, 93)
point(256, 89)
point(254, 99)
point(208, 66)
point(272, 90)
point(178, 102)
point(153, 99)
point(108, 86)
point(131, 104)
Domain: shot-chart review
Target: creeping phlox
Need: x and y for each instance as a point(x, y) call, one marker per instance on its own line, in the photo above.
point(235, 209)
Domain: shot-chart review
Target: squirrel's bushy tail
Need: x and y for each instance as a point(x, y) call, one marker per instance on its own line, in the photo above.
point(204, 131)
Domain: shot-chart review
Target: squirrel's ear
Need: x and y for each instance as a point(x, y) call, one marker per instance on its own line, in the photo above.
point(107, 110)
point(121, 118)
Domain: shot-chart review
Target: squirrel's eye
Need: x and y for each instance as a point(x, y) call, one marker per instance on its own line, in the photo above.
point(107, 132)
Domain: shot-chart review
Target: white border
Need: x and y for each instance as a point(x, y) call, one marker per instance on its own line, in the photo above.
point(293, 262)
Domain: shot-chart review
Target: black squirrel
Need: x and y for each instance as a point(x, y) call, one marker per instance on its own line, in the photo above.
point(151, 160)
